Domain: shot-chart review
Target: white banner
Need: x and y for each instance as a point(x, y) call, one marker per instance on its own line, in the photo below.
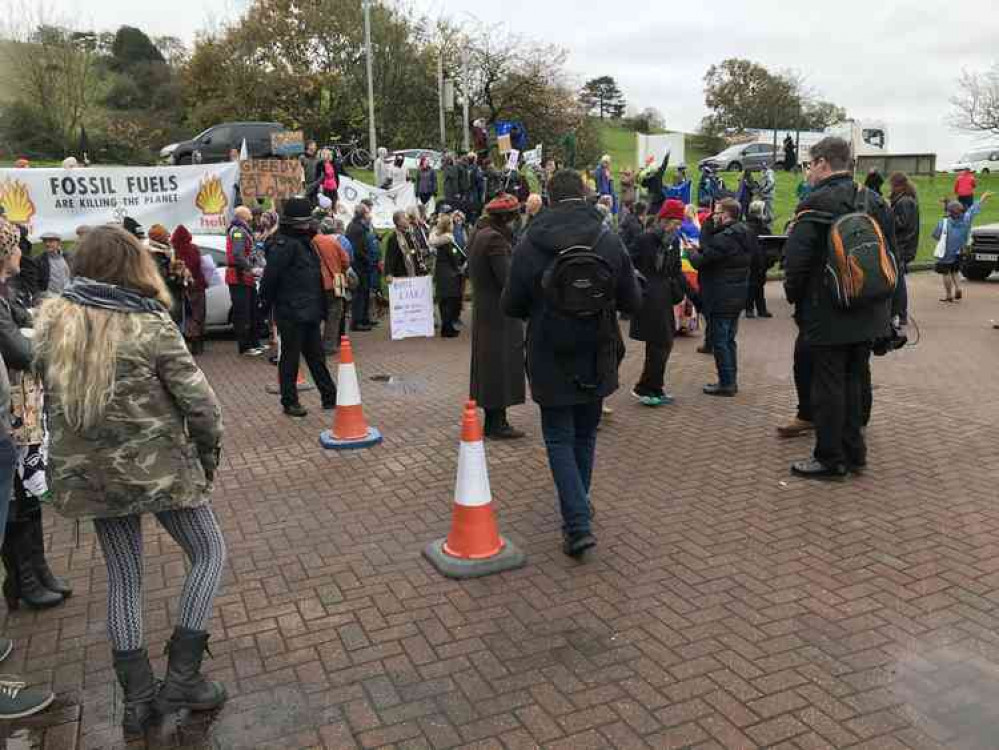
point(201, 197)
point(386, 202)
point(411, 307)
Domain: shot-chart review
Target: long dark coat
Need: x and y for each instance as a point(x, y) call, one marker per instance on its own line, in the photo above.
point(658, 263)
point(498, 376)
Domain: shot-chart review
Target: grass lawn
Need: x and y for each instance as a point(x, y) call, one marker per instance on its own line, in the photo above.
point(619, 143)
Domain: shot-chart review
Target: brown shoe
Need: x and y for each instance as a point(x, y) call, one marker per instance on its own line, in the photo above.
point(795, 428)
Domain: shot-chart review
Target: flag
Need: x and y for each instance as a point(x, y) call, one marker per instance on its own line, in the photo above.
point(244, 152)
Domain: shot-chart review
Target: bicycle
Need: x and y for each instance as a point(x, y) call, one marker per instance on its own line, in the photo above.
point(352, 153)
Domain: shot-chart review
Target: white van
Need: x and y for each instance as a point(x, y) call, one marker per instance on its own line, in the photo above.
point(982, 161)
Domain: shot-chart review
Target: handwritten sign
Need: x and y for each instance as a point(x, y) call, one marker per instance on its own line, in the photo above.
point(503, 143)
point(270, 178)
point(411, 307)
point(288, 143)
point(513, 160)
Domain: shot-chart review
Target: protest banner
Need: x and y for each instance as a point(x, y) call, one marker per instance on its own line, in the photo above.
point(199, 196)
point(386, 202)
point(503, 143)
point(513, 160)
point(270, 178)
point(411, 307)
point(535, 156)
point(288, 143)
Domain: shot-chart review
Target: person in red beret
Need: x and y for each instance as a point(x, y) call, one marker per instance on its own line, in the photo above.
point(657, 260)
point(497, 379)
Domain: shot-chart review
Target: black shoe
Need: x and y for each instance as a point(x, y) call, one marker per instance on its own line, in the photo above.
point(815, 469)
point(577, 545)
point(36, 540)
point(296, 410)
point(750, 315)
point(765, 315)
point(184, 686)
point(21, 582)
point(329, 405)
point(135, 676)
point(360, 327)
point(705, 350)
point(716, 389)
point(372, 323)
point(859, 468)
point(504, 432)
point(450, 334)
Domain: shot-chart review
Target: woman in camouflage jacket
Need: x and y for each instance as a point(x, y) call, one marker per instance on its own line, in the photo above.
point(135, 428)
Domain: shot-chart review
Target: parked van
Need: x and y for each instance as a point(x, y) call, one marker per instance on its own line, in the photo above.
point(982, 160)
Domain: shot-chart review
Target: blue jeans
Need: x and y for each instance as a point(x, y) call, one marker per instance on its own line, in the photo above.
point(723, 331)
point(8, 455)
point(571, 439)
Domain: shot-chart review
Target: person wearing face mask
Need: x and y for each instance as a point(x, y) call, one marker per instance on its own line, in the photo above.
point(497, 377)
point(657, 260)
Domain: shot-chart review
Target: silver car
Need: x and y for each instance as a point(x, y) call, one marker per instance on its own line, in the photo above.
point(744, 156)
point(218, 316)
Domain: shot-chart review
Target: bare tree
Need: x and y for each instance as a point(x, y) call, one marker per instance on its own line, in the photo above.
point(976, 105)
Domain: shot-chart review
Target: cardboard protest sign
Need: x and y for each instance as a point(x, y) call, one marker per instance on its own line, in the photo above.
point(411, 307)
point(270, 178)
point(288, 143)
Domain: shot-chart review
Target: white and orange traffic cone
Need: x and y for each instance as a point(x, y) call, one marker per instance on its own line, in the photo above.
point(350, 428)
point(474, 547)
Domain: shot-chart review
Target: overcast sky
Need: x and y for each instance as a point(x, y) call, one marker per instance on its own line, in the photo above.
point(894, 60)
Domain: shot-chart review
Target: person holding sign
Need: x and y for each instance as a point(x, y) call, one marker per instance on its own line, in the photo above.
point(497, 378)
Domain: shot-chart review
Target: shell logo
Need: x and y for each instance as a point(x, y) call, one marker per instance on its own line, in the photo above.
point(16, 201)
point(211, 199)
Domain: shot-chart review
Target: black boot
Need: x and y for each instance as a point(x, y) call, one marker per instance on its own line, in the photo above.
point(185, 686)
point(135, 676)
point(36, 542)
point(24, 584)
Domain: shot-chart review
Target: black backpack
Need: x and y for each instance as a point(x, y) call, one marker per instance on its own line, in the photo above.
point(580, 293)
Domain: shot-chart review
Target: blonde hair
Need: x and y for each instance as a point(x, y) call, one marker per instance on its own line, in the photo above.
point(445, 225)
point(76, 346)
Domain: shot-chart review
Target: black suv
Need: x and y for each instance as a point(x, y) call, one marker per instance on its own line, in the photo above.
point(213, 145)
point(983, 259)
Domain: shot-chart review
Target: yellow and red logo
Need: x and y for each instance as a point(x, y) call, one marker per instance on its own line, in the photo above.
point(16, 201)
point(211, 199)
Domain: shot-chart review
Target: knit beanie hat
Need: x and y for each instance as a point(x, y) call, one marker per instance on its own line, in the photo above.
point(672, 209)
point(10, 236)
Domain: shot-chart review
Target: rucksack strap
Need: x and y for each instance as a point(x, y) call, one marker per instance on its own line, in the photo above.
point(593, 245)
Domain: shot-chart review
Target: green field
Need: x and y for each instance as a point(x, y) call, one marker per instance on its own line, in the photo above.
point(619, 143)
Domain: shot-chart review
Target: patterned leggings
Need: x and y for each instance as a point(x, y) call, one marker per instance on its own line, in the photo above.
point(198, 534)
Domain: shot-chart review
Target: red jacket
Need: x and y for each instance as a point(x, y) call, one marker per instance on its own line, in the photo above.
point(238, 246)
point(965, 185)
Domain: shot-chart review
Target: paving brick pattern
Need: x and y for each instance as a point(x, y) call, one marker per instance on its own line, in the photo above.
point(728, 605)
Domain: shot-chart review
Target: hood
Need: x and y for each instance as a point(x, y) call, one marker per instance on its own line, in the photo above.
point(563, 226)
point(181, 238)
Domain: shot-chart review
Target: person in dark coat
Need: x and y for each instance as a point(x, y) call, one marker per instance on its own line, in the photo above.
point(756, 301)
point(652, 181)
point(292, 286)
point(447, 274)
point(403, 255)
point(874, 180)
point(362, 264)
point(632, 226)
point(497, 378)
point(905, 210)
point(572, 362)
point(723, 263)
point(790, 154)
point(838, 341)
point(657, 260)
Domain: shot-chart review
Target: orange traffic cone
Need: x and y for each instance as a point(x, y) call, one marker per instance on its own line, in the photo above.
point(350, 428)
point(474, 547)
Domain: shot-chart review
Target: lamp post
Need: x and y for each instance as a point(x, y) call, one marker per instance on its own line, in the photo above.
point(372, 137)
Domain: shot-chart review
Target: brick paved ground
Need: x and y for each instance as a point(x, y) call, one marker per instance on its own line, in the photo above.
point(728, 605)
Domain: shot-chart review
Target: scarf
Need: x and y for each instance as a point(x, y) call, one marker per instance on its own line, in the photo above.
point(407, 252)
point(90, 293)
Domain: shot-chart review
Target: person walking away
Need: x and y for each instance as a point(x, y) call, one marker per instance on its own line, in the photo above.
point(447, 274)
point(426, 181)
point(953, 234)
point(657, 261)
point(187, 253)
point(17, 701)
point(135, 429)
point(497, 370)
point(292, 286)
point(756, 300)
point(54, 270)
point(573, 338)
point(632, 227)
point(874, 181)
point(333, 265)
point(905, 210)
point(964, 188)
point(723, 262)
point(241, 281)
point(837, 340)
point(768, 190)
point(357, 233)
point(28, 576)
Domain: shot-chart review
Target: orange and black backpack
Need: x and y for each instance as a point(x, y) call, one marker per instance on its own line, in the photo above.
point(860, 268)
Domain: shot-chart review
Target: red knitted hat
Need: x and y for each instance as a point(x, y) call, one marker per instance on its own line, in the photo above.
point(503, 203)
point(672, 209)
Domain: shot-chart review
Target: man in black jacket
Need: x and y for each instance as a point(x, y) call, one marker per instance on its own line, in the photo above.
point(571, 362)
point(723, 265)
point(293, 286)
point(361, 263)
point(839, 341)
point(632, 226)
